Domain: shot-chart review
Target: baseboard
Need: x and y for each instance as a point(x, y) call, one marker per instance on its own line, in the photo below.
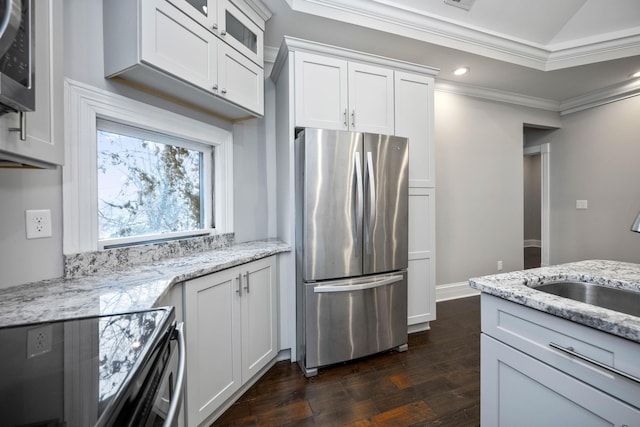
point(532, 243)
point(454, 291)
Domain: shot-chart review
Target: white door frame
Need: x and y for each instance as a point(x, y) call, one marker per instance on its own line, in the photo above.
point(544, 151)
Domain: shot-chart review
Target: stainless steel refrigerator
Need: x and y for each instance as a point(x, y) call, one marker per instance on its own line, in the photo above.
point(351, 245)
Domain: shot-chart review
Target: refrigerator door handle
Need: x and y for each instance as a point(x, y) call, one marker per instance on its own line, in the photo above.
point(359, 198)
point(372, 200)
point(358, 286)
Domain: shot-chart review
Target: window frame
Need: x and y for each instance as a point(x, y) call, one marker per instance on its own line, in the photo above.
point(84, 105)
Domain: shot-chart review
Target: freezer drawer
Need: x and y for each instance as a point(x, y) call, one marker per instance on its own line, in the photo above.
point(348, 319)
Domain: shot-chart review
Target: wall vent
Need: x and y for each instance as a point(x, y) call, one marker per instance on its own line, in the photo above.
point(462, 4)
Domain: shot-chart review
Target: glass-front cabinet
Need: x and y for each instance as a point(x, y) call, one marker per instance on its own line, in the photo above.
point(241, 33)
point(205, 12)
point(227, 21)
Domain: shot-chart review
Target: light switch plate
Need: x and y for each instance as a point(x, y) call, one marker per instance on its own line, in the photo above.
point(581, 204)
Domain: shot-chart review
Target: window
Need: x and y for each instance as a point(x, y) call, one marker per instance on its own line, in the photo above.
point(150, 186)
point(137, 173)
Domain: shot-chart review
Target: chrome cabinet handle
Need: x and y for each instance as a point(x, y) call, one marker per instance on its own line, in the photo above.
point(239, 290)
point(214, 27)
point(22, 126)
point(223, 33)
point(223, 91)
point(571, 351)
point(246, 282)
point(344, 118)
point(353, 118)
point(215, 86)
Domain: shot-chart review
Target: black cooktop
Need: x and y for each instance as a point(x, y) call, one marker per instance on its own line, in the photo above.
point(69, 373)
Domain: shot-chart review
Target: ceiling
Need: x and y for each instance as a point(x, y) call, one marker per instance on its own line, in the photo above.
point(550, 51)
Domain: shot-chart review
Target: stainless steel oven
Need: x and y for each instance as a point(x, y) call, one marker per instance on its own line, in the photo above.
point(119, 370)
point(17, 67)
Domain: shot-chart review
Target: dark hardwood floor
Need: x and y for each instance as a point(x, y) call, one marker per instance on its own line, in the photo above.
point(435, 383)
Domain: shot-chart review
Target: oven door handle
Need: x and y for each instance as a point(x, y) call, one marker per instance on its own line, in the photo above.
point(173, 411)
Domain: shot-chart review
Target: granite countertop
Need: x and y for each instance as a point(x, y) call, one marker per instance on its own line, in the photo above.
point(130, 289)
point(515, 287)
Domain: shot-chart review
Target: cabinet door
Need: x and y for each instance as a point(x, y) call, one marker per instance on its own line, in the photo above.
point(370, 99)
point(516, 387)
point(44, 132)
point(240, 80)
point(320, 92)
point(421, 277)
point(173, 43)
point(414, 120)
point(212, 323)
point(259, 316)
point(241, 33)
point(204, 12)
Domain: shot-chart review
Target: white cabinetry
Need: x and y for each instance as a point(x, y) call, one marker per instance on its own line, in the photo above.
point(524, 375)
point(333, 93)
point(161, 47)
point(414, 120)
point(320, 86)
point(231, 332)
point(44, 144)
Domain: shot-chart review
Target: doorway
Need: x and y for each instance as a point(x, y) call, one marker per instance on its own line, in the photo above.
point(536, 190)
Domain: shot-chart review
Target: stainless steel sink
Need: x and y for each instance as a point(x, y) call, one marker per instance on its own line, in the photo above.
point(615, 299)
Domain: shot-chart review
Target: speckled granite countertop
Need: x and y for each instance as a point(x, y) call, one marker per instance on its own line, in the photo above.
point(515, 287)
point(129, 289)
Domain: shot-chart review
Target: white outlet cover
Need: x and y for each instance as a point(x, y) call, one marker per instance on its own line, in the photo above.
point(39, 341)
point(38, 223)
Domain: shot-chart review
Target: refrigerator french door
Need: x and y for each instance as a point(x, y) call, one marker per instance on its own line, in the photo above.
point(352, 204)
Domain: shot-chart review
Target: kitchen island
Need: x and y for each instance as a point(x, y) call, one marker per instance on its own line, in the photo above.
point(122, 287)
point(550, 360)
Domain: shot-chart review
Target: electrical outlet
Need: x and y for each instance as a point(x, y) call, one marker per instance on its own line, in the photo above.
point(38, 223)
point(39, 341)
point(499, 265)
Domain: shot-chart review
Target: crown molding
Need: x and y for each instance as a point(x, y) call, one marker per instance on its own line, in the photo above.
point(593, 99)
point(413, 23)
point(496, 95)
point(600, 97)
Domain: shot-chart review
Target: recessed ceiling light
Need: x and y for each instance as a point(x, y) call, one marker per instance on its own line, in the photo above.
point(635, 75)
point(461, 71)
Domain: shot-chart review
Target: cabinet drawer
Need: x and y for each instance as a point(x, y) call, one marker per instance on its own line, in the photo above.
point(534, 332)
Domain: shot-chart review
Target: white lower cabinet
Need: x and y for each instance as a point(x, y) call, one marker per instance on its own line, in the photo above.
point(231, 333)
point(525, 380)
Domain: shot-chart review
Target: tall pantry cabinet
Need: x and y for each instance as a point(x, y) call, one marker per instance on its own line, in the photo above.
point(334, 88)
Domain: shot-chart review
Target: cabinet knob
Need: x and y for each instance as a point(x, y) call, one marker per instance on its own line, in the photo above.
point(344, 117)
point(353, 118)
point(223, 91)
point(223, 33)
point(214, 27)
point(215, 87)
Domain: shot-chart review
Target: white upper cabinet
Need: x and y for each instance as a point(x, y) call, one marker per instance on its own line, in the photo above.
point(371, 99)
point(43, 146)
point(207, 53)
point(320, 91)
point(333, 93)
point(414, 120)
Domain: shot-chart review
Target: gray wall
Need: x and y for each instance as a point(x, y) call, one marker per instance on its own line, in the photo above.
point(596, 157)
point(479, 185)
